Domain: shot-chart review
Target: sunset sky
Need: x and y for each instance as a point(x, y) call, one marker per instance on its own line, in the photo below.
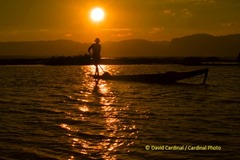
point(124, 19)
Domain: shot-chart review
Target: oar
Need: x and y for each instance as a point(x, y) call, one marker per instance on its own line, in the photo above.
point(101, 67)
point(105, 72)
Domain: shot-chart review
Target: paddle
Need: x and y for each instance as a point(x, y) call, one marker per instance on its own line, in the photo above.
point(101, 68)
point(104, 72)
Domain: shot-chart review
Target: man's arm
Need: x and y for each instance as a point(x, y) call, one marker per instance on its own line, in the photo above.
point(89, 49)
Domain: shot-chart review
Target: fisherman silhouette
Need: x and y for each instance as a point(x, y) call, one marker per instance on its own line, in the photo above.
point(95, 54)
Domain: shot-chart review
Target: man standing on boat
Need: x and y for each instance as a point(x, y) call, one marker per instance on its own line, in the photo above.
point(96, 57)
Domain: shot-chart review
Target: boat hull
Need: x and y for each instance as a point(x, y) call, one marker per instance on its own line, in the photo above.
point(168, 77)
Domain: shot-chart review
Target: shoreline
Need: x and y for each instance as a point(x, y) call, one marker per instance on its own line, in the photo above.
point(79, 60)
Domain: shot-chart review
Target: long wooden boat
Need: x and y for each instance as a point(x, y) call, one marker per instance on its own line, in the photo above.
point(167, 78)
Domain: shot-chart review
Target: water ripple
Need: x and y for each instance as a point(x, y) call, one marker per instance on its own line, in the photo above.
point(62, 113)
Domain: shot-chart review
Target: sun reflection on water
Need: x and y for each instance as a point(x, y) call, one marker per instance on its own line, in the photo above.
point(105, 128)
point(84, 108)
point(90, 70)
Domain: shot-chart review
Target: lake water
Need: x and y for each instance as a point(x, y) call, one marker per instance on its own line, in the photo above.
point(58, 112)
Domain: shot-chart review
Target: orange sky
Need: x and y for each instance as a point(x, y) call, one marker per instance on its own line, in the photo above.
point(125, 19)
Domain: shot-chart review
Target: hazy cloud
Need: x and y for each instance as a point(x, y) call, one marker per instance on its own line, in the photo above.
point(119, 32)
point(186, 12)
point(231, 24)
point(194, 1)
point(117, 29)
point(179, 13)
point(68, 35)
point(120, 35)
point(169, 12)
point(157, 30)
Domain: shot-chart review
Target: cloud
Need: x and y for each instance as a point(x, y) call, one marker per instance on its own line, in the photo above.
point(179, 13)
point(117, 29)
point(203, 1)
point(186, 12)
point(156, 30)
point(68, 35)
point(122, 34)
point(169, 12)
point(197, 2)
point(231, 24)
point(119, 32)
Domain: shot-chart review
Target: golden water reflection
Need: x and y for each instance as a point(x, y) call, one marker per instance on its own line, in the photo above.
point(112, 131)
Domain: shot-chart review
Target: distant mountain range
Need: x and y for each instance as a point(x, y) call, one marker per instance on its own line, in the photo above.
point(202, 45)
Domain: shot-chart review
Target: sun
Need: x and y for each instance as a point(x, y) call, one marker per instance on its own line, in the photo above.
point(97, 14)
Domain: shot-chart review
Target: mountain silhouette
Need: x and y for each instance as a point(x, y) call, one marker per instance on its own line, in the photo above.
point(206, 45)
point(203, 45)
point(134, 48)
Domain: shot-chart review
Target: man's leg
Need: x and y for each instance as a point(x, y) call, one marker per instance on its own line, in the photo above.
point(96, 71)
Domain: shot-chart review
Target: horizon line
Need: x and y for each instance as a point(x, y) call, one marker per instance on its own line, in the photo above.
point(46, 40)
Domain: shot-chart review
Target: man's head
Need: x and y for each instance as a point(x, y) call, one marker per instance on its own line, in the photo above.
point(97, 40)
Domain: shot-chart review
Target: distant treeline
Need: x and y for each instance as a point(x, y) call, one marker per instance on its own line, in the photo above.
point(23, 61)
point(70, 60)
point(86, 60)
point(167, 60)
